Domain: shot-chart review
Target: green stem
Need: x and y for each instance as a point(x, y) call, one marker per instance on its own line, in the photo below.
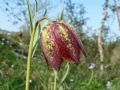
point(44, 18)
point(66, 73)
point(30, 15)
point(91, 78)
point(64, 76)
point(55, 79)
point(29, 60)
point(30, 47)
point(30, 53)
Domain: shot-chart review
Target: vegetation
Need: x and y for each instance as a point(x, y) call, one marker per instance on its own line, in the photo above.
point(85, 76)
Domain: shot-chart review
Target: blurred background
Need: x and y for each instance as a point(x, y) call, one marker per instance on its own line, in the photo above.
point(98, 25)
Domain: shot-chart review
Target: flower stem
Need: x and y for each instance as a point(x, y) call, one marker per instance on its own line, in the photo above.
point(29, 60)
point(66, 73)
point(31, 51)
point(64, 76)
point(55, 79)
point(91, 78)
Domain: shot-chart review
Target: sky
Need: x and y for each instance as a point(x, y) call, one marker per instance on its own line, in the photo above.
point(93, 8)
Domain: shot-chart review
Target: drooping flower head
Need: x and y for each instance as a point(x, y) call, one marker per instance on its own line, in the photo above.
point(59, 42)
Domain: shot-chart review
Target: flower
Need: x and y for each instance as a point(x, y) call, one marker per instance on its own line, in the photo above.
point(7, 42)
point(12, 66)
point(59, 41)
point(2, 43)
point(92, 66)
point(30, 81)
point(108, 84)
point(71, 80)
point(3, 39)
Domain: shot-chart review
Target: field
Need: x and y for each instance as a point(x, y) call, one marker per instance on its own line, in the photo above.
point(59, 45)
point(85, 76)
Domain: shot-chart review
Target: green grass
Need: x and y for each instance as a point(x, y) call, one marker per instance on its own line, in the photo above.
point(13, 71)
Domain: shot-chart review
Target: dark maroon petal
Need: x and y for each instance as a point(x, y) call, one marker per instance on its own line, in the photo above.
point(60, 41)
point(65, 51)
point(74, 33)
point(75, 51)
point(75, 45)
point(50, 49)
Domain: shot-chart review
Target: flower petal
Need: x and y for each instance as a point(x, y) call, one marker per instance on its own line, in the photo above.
point(50, 49)
point(76, 37)
point(68, 50)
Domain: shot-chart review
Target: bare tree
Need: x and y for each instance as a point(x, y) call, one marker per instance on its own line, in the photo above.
point(100, 37)
point(16, 10)
point(117, 12)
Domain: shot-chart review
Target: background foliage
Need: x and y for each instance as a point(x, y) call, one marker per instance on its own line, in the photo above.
point(13, 54)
